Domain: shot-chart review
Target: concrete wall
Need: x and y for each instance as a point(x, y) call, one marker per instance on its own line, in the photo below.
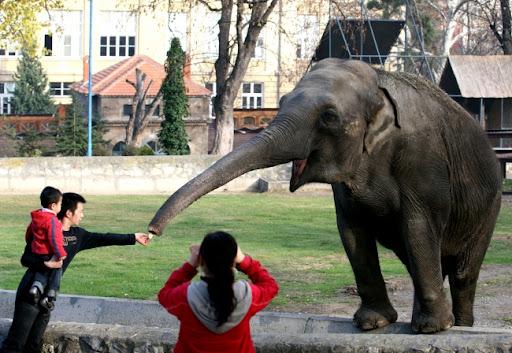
point(94, 324)
point(120, 175)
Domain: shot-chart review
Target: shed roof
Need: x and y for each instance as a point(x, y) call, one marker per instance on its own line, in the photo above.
point(378, 37)
point(474, 76)
point(112, 80)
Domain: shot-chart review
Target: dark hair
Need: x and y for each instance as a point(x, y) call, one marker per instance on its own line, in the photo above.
point(49, 195)
point(218, 251)
point(70, 201)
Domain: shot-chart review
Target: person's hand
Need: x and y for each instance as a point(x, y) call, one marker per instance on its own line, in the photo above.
point(239, 256)
point(53, 263)
point(142, 238)
point(193, 260)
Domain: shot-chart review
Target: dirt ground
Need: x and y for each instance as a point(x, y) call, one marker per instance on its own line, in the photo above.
point(492, 307)
point(493, 302)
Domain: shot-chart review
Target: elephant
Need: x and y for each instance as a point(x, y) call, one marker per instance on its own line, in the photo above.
point(409, 168)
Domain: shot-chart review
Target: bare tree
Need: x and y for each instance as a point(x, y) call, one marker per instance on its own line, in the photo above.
point(139, 118)
point(229, 74)
point(499, 25)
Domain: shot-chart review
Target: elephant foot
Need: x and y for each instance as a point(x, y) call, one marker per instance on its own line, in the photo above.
point(431, 324)
point(369, 318)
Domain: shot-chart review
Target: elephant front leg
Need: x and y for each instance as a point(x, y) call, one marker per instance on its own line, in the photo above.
point(431, 312)
point(376, 309)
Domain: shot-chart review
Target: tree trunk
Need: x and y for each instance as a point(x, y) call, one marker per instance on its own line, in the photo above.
point(506, 42)
point(139, 119)
point(139, 92)
point(229, 82)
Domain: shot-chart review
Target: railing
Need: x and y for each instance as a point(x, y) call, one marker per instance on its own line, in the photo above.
point(21, 124)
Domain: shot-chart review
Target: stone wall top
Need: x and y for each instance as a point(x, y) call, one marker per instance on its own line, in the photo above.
point(119, 174)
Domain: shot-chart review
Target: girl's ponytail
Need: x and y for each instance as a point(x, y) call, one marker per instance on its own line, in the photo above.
point(218, 251)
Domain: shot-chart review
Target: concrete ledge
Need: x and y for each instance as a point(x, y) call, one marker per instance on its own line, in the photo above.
point(96, 324)
point(65, 337)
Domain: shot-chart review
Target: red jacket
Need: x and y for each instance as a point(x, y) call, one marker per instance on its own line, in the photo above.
point(45, 233)
point(194, 336)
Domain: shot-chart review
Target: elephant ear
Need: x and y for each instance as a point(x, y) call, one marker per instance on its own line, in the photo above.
point(382, 124)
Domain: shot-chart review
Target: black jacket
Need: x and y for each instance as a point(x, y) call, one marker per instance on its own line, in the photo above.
point(77, 239)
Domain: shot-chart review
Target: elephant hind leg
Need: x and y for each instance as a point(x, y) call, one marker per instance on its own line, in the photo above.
point(463, 281)
point(463, 287)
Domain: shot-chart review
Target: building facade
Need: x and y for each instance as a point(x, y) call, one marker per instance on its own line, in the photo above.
point(122, 29)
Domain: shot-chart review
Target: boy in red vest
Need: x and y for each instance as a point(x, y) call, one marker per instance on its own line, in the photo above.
point(44, 234)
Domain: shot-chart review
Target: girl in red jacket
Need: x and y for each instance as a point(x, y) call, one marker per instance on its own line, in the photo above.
point(215, 312)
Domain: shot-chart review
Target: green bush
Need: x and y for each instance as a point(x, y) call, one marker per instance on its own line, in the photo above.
point(130, 150)
point(146, 151)
point(100, 150)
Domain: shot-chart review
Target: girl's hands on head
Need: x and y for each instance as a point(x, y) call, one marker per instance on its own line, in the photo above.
point(239, 256)
point(193, 260)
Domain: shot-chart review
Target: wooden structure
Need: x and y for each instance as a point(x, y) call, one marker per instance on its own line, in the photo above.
point(45, 123)
point(254, 117)
point(480, 84)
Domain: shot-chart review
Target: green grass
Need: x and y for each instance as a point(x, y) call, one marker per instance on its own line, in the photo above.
point(295, 237)
point(507, 185)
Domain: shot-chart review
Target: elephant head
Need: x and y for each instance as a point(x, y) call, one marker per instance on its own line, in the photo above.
point(335, 114)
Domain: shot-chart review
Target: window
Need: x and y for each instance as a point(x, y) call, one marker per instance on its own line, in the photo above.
point(258, 53)
point(64, 35)
point(118, 149)
point(177, 24)
point(27, 126)
point(6, 89)
point(252, 95)
point(307, 36)
point(127, 110)
point(211, 50)
point(248, 120)
point(9, 50)
point(155, 147)
point(212, 86)
point(117, 46)
point(265, 121)
point(48, 128)
point(258, 50)
point(118, 33)
point(60, 89)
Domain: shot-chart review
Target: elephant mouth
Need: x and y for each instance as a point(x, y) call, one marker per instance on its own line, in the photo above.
point(297, 169)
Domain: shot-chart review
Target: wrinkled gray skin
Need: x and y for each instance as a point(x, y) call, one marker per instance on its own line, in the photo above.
point(409, 168)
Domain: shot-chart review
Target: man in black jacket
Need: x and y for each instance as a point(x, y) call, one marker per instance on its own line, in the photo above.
point(30, 320)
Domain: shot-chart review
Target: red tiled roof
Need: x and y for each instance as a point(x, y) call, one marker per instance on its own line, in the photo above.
point(112, 80)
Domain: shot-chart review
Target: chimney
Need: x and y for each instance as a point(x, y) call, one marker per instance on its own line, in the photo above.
point(186, 67)
point(86, 68)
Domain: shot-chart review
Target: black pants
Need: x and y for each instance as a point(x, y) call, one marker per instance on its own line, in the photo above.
point(28, 324)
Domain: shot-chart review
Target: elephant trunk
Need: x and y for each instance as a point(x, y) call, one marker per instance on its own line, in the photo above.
point(250, 156)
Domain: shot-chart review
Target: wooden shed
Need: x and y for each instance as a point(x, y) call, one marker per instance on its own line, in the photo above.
point(483, 86)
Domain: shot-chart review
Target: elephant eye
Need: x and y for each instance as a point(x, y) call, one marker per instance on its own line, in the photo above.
point(329, 119)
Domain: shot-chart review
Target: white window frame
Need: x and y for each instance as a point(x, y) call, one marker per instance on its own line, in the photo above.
point(118, 26)
point(307, 36)
point(259, 49)
point(211, 44)
point(64, 33)
point(252, 99)
point(5, 96)
point(63, 89)
point(10, 50)
point(212, 86)
point(177, 25)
